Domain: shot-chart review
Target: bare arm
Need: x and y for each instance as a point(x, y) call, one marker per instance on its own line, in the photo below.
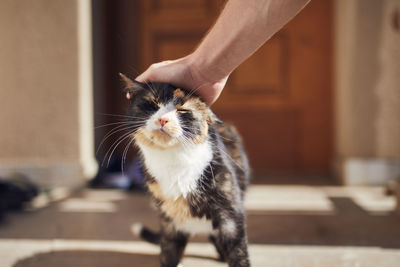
point(240, 30)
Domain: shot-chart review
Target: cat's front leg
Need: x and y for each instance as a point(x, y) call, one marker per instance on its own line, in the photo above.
point(218, 246)
point(232, 239)
point(172, 244)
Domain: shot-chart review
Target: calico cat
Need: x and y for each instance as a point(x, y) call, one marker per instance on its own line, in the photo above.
point(196, 170)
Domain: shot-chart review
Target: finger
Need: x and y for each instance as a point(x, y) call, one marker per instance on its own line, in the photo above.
point(150, 73)
point(144, 77)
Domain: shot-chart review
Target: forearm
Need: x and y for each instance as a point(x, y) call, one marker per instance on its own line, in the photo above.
point(243, 26)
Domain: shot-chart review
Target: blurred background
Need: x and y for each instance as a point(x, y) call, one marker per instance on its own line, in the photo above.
point(318, 107)
point(314, 103)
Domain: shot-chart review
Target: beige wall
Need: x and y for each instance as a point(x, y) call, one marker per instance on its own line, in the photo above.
point(388, 85)
point(41, 88)
point(367, 91)
point(358, 25)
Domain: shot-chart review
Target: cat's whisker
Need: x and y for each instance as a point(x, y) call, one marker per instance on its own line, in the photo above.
point(121, 116)
point(191, 93)
point(230, 158)
point(211, 170)
point(113, 123)
point(113, 147)
point(124, 154)
point(223, 137)
point(186, 142)
point(183, 141)
point(195, 128)
point(109, 134)
point(120, 125)
point(114, 131)
point(188, 138)
point(153, 91)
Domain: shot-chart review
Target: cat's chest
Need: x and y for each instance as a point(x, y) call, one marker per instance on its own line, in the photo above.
point(177, 170)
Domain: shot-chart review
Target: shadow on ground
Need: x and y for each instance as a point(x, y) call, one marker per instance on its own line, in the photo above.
point(97, 258)
point(89, 258)
point(349, 226)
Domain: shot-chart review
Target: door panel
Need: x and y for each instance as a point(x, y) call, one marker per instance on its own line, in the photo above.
point(272, 137)
point(265, 72)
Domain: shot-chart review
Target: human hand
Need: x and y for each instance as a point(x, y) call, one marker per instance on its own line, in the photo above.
point(184, 73)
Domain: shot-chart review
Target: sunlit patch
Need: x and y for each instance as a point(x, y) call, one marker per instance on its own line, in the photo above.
point(271, 199)
point(85, 205)
point(45, 198)
point(287, 200)
point(59, 193)
point(39, 202)
point(104, 195)
point(93, 201)
point(194, 226)
point(372, 199)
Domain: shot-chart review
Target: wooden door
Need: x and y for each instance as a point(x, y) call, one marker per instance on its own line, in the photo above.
point(280, 98)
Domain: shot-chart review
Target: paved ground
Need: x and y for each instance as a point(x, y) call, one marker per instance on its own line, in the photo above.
point(287, 226)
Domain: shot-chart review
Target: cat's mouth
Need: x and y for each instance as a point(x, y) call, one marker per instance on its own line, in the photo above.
point(162, 131)
point(161, 134)
point(159, 138)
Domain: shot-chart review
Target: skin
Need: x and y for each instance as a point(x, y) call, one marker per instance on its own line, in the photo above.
point(241, 29)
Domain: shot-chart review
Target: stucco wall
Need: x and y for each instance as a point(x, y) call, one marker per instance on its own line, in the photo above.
point(40, 86)
point(367, 91)
point(358, 25)
point(388, 85)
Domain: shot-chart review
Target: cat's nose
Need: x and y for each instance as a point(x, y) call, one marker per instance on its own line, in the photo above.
point(163, 121)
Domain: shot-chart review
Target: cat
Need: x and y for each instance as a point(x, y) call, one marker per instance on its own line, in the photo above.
point(196, 171)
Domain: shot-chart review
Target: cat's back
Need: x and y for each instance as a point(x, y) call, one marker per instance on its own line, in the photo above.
point(235, 151)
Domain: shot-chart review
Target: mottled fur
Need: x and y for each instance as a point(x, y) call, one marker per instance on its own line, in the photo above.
point(212, 196)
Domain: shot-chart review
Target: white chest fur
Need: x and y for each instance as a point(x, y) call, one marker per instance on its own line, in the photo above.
point(177, 169)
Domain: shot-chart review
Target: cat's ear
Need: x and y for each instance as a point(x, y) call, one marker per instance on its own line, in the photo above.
point(131, 86)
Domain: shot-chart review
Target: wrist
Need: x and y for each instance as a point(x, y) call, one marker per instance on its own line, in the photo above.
point(203, 67)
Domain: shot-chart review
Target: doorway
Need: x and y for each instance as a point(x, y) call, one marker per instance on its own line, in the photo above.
point(280, 99)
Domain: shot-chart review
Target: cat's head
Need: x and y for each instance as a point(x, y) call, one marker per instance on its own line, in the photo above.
point(164, 116)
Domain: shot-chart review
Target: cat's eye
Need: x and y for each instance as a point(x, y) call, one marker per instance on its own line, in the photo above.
point(149, 105)
point(155, 103)
point(182, 110)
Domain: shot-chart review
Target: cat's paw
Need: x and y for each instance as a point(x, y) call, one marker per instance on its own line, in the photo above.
point(136, 229)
